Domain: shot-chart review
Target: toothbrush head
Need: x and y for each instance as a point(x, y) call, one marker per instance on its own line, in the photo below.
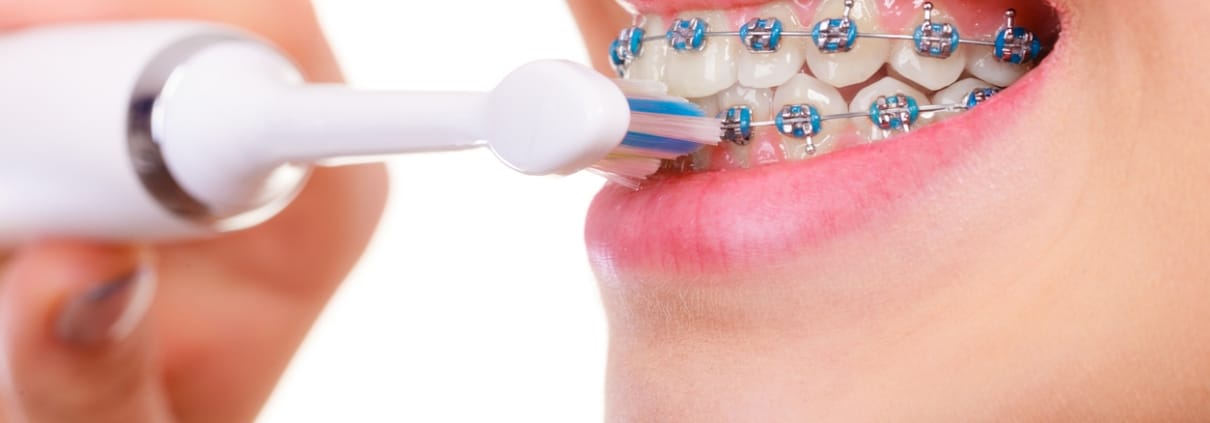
point(663, 128)
point(555, 117)
point(560, 117)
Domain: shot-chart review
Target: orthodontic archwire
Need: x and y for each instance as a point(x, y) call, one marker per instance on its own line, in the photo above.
point(1013, 44)
point(898, 112)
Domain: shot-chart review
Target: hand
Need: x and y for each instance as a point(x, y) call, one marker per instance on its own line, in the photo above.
point(185, 332)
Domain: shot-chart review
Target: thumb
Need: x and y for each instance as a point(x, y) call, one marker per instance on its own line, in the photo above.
point(74, 342)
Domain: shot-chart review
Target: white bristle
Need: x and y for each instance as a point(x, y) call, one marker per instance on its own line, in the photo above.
point(628, 151)
point(635, 167)
point(632, 183)
point(697, 129)
point(631, 166)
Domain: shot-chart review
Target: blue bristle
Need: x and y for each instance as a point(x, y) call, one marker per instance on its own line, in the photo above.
point(665, 107)
point(655, 142)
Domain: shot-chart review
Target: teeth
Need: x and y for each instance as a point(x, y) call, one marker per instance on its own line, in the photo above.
point(709, 105)
point(982, 63)
point(701, 73)
point(866, 58)
point(729, 155)
point(956, 94)
point(765, 148)
point(885, 87)
point(725, 74)
point(764, 70)
point(930, 72)
point(701, 158)
point(803, 89)
point(759, 100)
point(649, 66)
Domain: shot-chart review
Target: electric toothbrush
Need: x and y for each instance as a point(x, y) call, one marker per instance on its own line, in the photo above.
point(177, 130)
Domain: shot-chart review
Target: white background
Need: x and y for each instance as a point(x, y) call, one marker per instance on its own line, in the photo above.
point(475, 302)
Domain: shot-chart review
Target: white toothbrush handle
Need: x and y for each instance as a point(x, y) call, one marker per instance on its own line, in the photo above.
point(318, 123)
point(546, 117)
point(169, 130)
point(70, 105)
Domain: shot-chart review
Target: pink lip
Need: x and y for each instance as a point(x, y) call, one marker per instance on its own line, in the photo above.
point(669, 6)
point(735, 220)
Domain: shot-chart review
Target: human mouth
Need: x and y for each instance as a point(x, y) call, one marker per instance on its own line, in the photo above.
point(803, 139)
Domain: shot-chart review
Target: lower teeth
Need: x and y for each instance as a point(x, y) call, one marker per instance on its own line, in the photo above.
point(804, 128)
point(895, 113)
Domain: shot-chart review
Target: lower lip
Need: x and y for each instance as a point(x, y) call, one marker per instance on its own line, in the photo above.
point(706, 223)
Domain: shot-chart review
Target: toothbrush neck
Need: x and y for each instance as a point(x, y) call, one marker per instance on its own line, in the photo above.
point(238, 127)
point(314, 124)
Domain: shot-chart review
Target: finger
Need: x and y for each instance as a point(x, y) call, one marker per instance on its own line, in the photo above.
point(287, 23)
point(75, 343)
point(239, 308)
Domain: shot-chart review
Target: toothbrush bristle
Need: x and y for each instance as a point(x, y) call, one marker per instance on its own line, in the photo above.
point(662, 127)
point(645, 141)
point(674, 107)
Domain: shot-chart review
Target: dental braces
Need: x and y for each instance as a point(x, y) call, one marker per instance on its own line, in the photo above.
point(897, 112)
point(1013, 44)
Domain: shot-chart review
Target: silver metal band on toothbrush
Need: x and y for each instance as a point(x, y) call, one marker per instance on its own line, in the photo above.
point(1013, 44)
point(898, 112)
point(144, 139)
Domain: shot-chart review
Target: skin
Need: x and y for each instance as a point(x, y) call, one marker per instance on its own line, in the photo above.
point(1066, 282)
point(228, 313)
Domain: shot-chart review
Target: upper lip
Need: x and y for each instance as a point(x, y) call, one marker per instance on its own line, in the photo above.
point(731, 221)
point(667, 6)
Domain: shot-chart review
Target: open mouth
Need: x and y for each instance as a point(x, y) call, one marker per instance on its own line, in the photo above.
point(792, 87)
point(833, 112)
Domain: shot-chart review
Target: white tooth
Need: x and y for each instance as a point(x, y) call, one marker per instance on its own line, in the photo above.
point(649, 66)
point(982, 63)
point(956, 94)
point(764, 70)
point(930, 72)
point(701, 158)
point(759, 100)
point(866, 97)
point(866, 58)
point(803, 89)
point(709, 105)
point(703, 73)
point(895, 74)
point(739, 156)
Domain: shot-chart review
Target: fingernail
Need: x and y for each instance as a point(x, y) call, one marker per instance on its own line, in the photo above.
point(107, 312)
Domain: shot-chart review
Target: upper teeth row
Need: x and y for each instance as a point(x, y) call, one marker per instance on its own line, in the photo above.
point(897, 112)
point(1013, 44)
